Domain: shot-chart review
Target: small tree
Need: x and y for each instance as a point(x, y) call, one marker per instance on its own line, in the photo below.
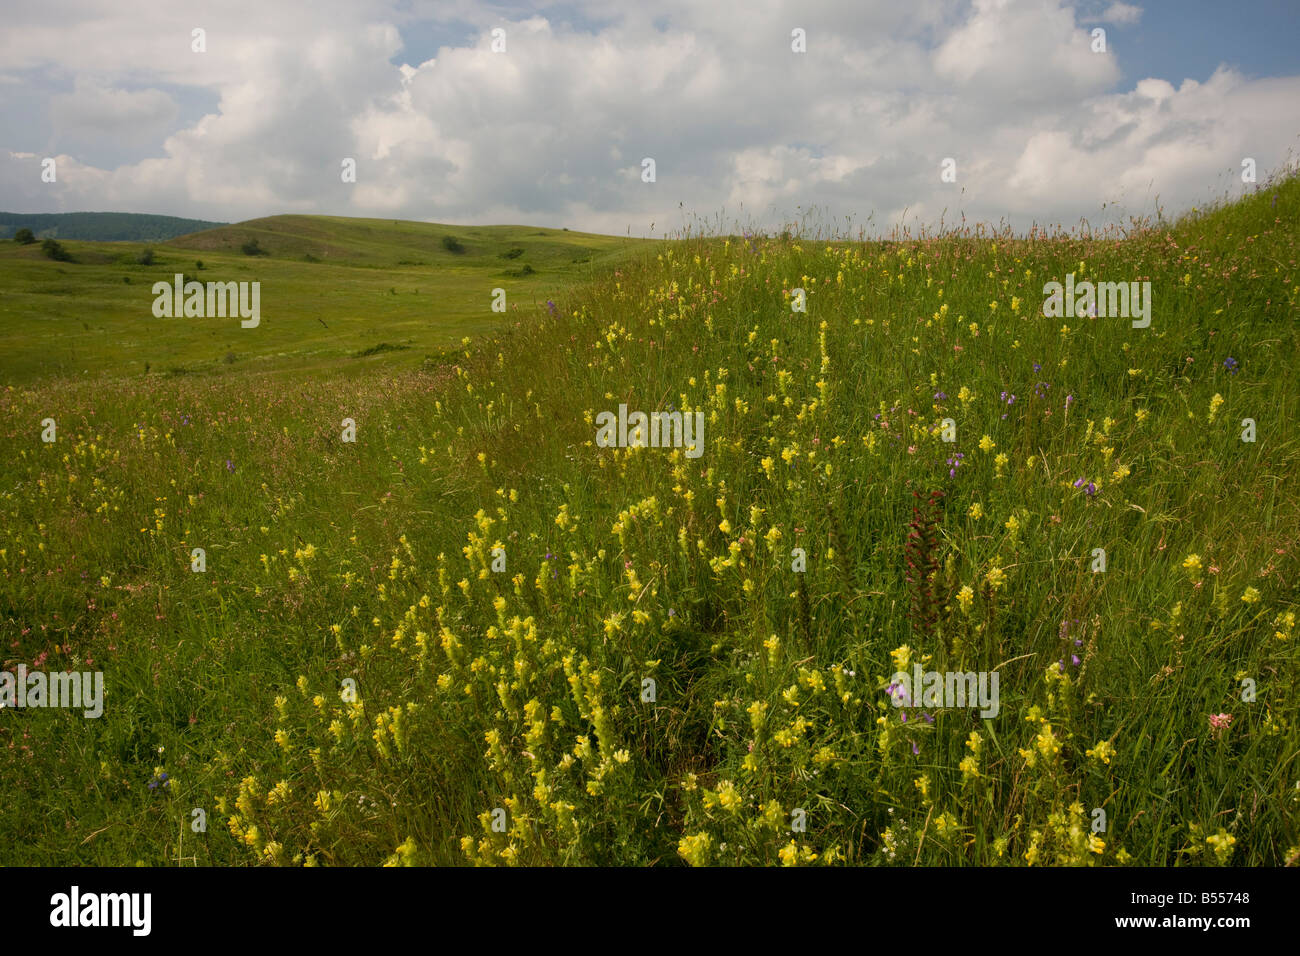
point(54, 250)
point(452, 244)
point(145, 258)
point(24, 236)
point(251, 248)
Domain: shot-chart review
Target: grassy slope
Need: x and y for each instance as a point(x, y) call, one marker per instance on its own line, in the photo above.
point(378, 283)
point(520, 690)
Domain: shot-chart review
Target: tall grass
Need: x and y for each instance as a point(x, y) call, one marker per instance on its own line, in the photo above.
point(502, 716)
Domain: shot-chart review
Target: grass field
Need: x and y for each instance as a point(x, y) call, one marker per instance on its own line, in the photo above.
point(437, 644)
point(334, 293)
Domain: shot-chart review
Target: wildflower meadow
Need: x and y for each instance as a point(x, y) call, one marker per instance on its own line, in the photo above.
point(786, 548)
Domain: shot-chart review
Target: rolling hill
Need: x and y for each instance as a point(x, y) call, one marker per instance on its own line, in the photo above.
point(332, 290)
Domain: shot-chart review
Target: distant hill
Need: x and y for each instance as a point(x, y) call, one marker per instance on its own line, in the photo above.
point(384, 243)
point(101, 226)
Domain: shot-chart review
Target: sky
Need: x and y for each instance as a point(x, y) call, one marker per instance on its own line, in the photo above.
point(852, 133)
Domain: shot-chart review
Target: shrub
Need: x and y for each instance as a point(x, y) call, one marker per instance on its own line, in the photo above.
point(145, 258)
point(24, 236)
point(251, 248)
point(53, 249)
point(452, 244)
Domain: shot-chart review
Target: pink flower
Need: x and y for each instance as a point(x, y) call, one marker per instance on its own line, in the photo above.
point(1220, 722)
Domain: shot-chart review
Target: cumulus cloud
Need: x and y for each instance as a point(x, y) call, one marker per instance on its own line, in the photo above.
point(553, 131)
point(1121, 13)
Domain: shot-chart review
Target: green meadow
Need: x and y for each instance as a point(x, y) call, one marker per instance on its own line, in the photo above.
point(474, 636)
point(334, 291)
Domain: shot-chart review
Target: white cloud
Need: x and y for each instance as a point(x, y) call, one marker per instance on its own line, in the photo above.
point(94, 108)
point(1122, 13)
point(553, 131)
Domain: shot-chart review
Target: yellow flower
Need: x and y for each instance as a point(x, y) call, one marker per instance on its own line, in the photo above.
point(1102, 751)
point(728, 798)
point(976, 511)
point(996, 578)
point(902, 657)
point(1192, 563)
point(695, 849)
point(987, 444)
point(964, 597)
point(1047, 743)
point(1250, 596)
point(1222, 843)
point(1215, 402)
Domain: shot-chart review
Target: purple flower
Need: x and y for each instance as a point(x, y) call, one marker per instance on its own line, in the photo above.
point(1230, 364)
point(916, 751)
point(230, 465)
point(1069, 400)
point(1037, 367)
point(550, 305)
point(1074, 659)
point(940, 396)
